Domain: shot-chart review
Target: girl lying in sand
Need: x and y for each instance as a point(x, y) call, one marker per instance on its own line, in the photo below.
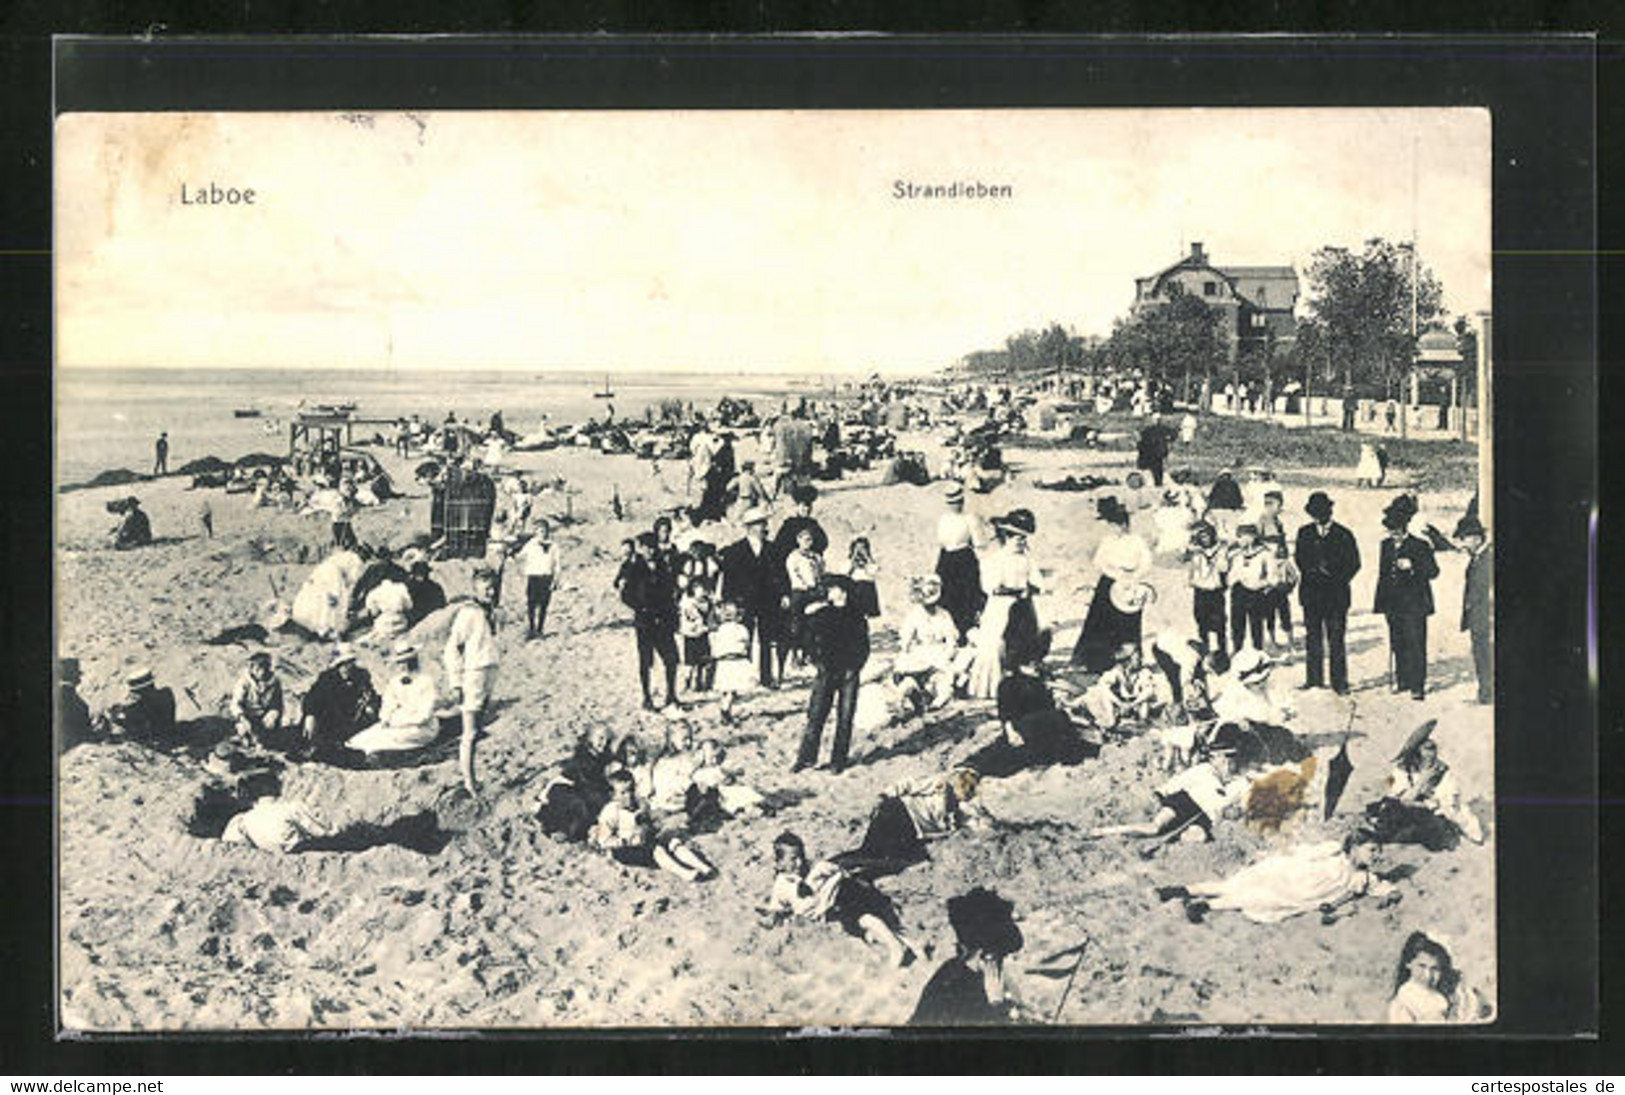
point(824, 891)
point(1324, 876)
point(624, 831)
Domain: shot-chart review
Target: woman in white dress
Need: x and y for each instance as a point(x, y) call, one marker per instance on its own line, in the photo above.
point(1010, 575)
point(1124, 561)
point(406, 718)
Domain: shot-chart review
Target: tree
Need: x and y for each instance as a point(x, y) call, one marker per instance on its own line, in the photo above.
point(1362, 303)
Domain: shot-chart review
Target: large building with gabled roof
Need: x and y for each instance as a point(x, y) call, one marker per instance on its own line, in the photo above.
point(1255, 301)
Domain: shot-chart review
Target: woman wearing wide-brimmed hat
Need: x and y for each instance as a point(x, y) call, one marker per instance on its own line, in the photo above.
point(1405, 595)
point(957, 566)
point(1121, 593)
point(1010, 576)
point(1422, 803)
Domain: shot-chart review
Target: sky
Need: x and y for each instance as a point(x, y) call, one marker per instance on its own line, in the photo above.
point(740, 240)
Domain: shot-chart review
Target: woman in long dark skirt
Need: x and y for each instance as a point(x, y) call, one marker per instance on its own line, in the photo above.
point(957, 566)
point(714, 502)
point(1124, 561)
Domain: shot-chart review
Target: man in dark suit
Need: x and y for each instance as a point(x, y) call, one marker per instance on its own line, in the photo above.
point(1477, 603)
point(838, 634)
point(749, 581)
point(1405, 596)
point(1327, 558)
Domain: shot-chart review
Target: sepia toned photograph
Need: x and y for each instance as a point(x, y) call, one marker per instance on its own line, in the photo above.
point(774, 569)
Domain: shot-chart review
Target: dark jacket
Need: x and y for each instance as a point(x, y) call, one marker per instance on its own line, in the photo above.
point(340, 707)
point(148, 717)
point(649, 593)
point(748, 579)
point(427, 597)
point(1406, 593)
point(838, 638)
point(1153, 446)
point(1325, 566)
point(1224, 494)
point(1477, 613)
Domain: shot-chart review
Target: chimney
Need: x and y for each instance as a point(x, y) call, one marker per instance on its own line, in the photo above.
point(1198, 255)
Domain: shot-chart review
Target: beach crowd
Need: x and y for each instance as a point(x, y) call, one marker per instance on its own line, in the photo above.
point(742, 590)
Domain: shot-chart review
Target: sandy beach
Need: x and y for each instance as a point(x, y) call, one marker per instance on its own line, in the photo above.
point(485, 922)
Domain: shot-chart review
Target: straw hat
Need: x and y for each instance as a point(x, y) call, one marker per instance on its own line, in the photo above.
point(403, 652)
point(342, 652)
point(955, 492)
point(139, 677)
point(755, 515)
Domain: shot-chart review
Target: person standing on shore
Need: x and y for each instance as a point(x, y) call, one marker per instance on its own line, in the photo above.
point(838, 635)
point(1153, 449)
point(1328, 559)
point(748, 580)
point(541, 564)
point(957, 567)
point(1405, 596)
point(650, 593)
point(160, 453)
point(1124, 560)
point(471, 665)
point(1478, 603)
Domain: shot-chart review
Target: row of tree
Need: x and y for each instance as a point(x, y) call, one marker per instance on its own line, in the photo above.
point(1354, 339)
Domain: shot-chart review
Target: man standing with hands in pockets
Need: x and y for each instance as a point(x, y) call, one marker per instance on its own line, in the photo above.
point(1328, 559)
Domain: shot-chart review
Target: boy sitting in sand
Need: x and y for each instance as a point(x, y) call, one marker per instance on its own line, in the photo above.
point(824, 891)
point(1125, 694)
point(256, 703)
point(624, 831)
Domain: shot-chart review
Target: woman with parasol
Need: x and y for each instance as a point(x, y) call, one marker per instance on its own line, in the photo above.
point(1422, 803)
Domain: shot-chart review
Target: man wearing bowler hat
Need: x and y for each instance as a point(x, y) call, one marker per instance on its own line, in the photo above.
point(1328, 559)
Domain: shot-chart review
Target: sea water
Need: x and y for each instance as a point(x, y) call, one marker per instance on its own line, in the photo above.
point(109, 418)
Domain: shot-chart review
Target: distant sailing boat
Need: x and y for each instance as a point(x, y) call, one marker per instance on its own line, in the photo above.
point(606, 393)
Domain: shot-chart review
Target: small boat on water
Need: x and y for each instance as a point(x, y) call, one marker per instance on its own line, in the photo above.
point(607, 393)
point(246, 412)
point(333, 408)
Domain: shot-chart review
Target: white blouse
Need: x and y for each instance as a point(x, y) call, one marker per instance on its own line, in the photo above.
point(954, 532)
point(1123, 557)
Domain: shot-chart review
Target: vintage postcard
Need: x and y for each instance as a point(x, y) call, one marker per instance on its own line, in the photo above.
point(774, 569)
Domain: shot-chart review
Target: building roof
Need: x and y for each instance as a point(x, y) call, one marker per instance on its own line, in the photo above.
point(1268, 272)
